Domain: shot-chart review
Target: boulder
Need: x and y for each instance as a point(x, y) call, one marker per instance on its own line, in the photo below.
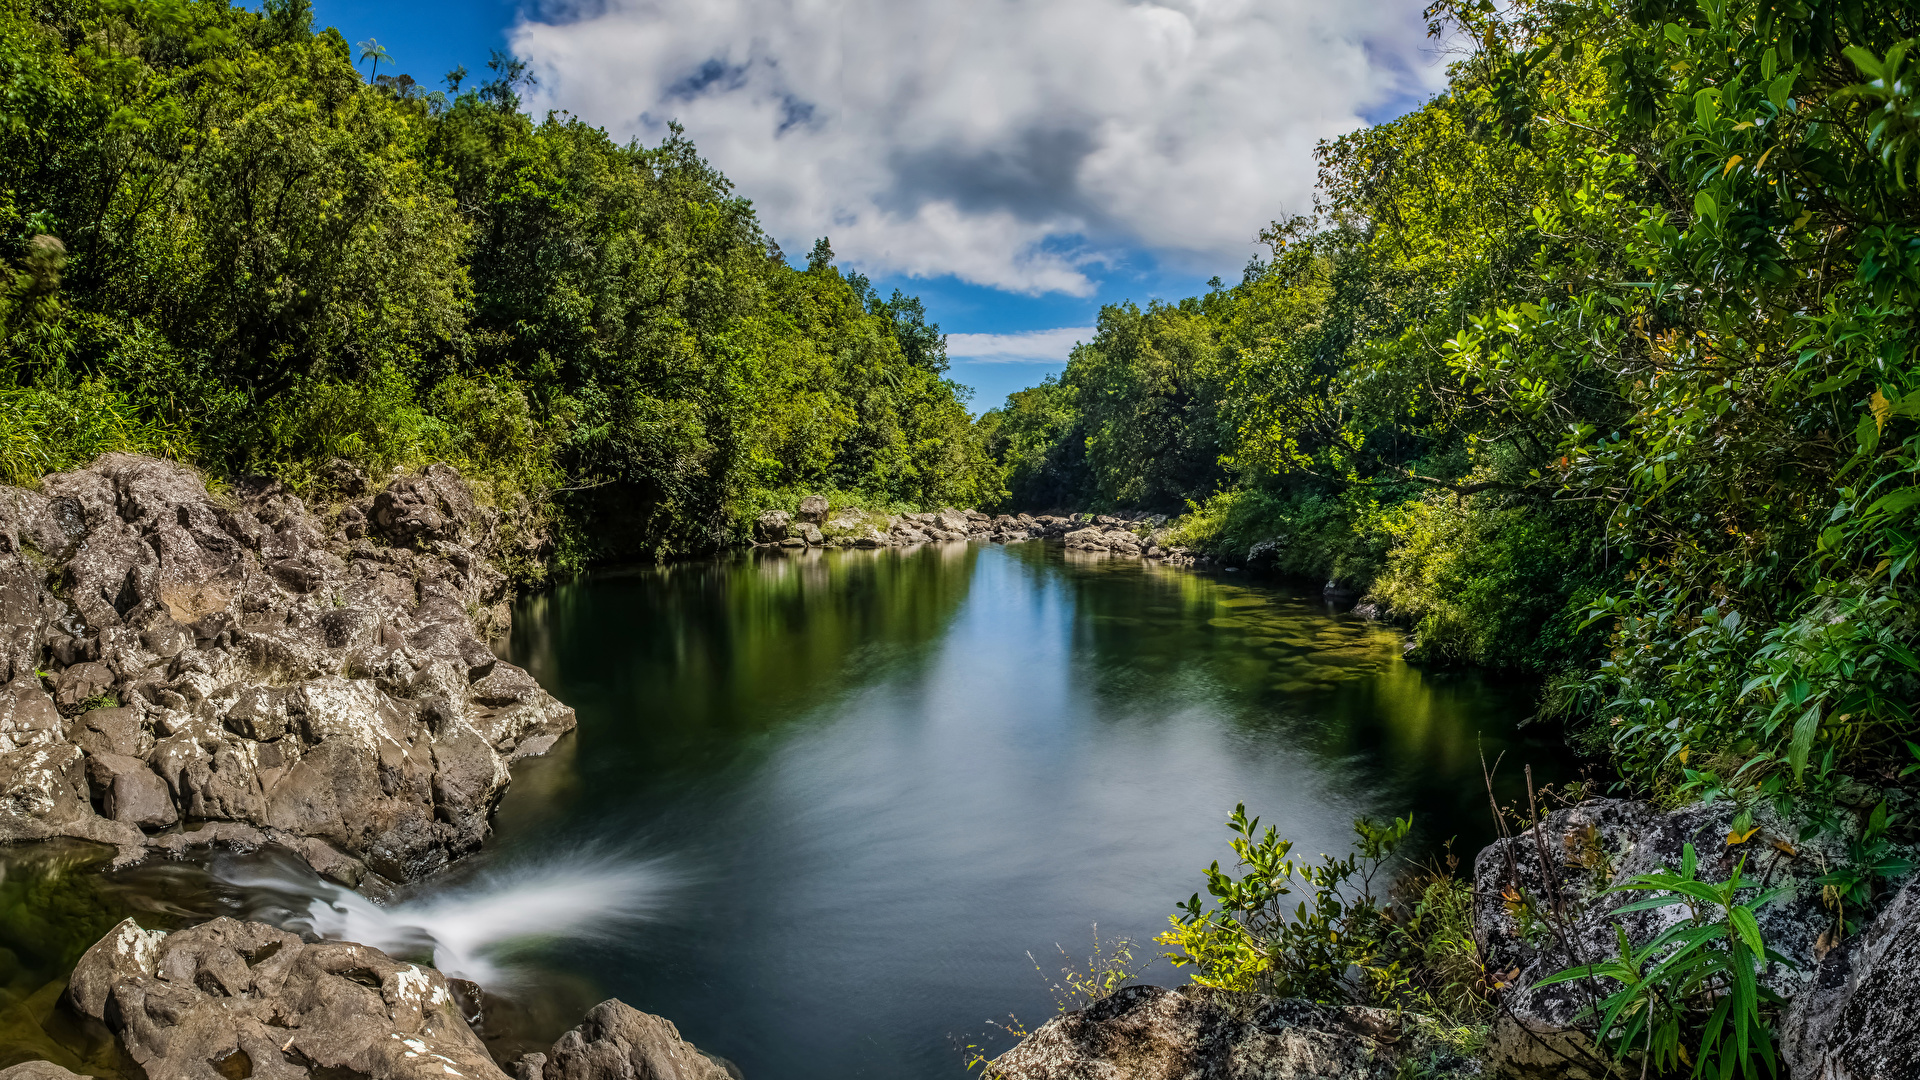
point(1559, 871)
point(268, 677)
point(1263, 555)
point(618, 1042)
point(186, 1004)
point(772, 526)
point(813, 509)
point(38, 1070)
point(127, 789)
point(1859, 1018)
point(1199, 1033)
point(811, 533)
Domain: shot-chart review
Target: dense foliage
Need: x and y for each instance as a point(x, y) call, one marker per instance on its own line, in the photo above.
point(226, 246)
point(1601, 362)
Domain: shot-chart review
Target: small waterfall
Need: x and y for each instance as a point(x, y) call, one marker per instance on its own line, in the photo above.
point(470, 930)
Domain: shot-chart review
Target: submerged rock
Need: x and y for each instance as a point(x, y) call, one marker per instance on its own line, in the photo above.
point(1198, 1033)
point(236, 664)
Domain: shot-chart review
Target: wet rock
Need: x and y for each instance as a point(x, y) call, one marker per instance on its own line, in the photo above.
point(1858, 1017)
point(619, 1042)
point(1564, 865)
point(188, 1002)
point(1198, 1033)
point(811, 533)
point(271, 673)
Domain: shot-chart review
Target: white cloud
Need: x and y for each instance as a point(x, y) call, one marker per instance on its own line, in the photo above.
point(1019, 144)
point(1030, 347)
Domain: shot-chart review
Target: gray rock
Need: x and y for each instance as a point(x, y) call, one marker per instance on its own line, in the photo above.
point(618, 1042)
point(811, 534)
point(813, 509)
point(1198, 1033)
point(1567, 862)
point(1858, 1018)
point(129, 790)
point(38, 1070)
point(772, 526)
point(1263, 555)
point(274, 678)
point(185, 1003)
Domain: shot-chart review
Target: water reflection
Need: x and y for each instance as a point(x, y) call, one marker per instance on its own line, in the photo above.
point(891, 774)
point(868, 784)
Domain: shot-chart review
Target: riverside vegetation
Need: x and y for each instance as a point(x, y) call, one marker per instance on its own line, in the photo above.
point(1601, 364)
point(227, 248)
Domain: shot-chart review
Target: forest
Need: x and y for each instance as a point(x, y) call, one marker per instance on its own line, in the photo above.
point(228, 247)
point(1599, 364)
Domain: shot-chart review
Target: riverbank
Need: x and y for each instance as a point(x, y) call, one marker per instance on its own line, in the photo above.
point(815, 523)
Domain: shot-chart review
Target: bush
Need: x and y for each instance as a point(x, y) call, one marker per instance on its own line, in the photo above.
point(1341, 944)
point(47, 430)
point(1490, 582)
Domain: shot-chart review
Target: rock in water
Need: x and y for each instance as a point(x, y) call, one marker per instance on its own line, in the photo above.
point(1860, 1019)
point(187, 1003)
point(239, 661)
point(1198, 1033)
point(619, 1042)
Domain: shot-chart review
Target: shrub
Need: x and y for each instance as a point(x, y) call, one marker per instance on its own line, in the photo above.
point(47, 430)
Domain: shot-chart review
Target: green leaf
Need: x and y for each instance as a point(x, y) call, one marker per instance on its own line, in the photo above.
point(1748, 928)
point(1804, 730)
point(1780, 90)
point(1705, 208)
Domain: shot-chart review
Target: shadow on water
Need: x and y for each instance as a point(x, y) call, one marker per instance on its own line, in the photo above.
point(821, 806)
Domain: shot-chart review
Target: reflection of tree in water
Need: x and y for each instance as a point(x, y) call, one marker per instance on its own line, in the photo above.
point(720, 648)
point(54, 905)
point(1157, 639)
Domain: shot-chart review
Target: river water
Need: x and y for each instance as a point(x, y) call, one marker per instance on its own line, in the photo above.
point(829, 811)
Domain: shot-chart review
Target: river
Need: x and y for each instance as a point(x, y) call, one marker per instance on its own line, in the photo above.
point(829, 811)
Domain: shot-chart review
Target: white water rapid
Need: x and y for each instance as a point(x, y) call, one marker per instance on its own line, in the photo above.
point(470, 930)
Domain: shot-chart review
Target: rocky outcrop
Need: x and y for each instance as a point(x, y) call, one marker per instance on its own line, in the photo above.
point(229, 998)
point(619, 1042)
point(179, 668)
point(1198, 1033)
point(1859, 1017)
point(816, 525)
point(1542, 908)
point(185, 1004)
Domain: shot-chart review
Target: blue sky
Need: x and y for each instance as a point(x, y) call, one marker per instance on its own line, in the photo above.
point(1015, 163)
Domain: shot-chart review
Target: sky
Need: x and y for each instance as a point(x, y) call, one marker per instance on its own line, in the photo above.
point(1015, 163)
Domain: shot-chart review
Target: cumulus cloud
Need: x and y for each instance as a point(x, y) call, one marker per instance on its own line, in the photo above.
point(1020, 144)
point(1030, 347)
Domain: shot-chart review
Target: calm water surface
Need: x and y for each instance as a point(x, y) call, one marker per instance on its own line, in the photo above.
point(863, 786)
